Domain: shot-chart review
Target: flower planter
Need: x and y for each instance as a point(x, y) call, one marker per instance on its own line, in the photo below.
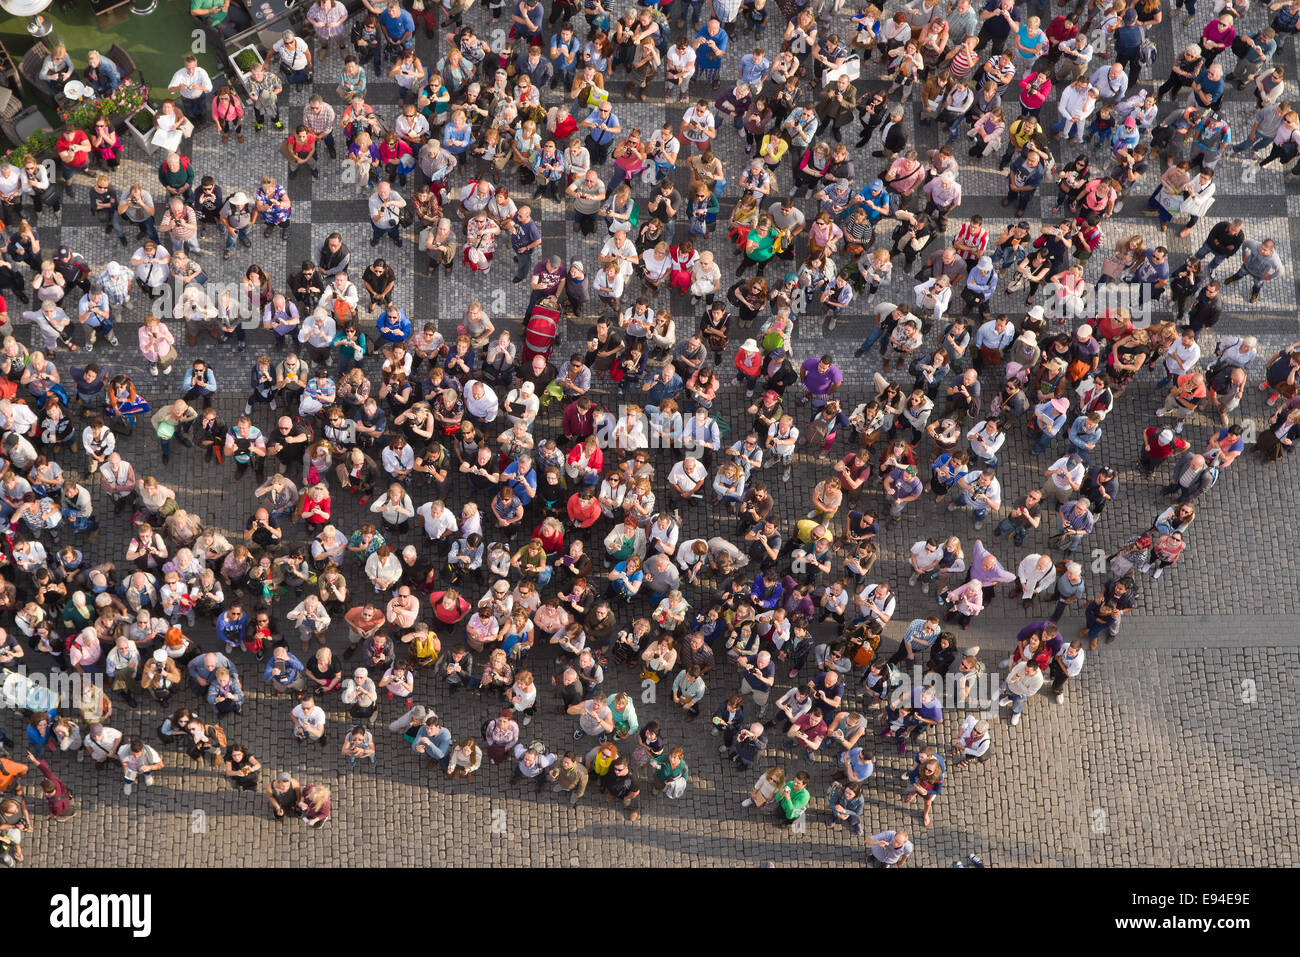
point(242, 62)
point(141, 126)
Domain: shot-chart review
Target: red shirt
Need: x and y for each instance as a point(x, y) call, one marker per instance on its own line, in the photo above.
point(1160, 450)
point(302, 147)
point(566, 127)
point(78, 138)
point(583, 516)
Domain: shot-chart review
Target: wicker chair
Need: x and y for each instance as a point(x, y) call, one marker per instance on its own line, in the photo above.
point(125, 63)
point(30, 68)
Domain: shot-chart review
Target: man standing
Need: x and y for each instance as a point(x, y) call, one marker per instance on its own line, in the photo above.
point(1260, 261)
point(889, 849)
point(192, 84)
point(525, 239)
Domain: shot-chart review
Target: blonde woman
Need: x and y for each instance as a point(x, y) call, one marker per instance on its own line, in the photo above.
point(315, 805)
point(312, 619)
point(157, 345)
point(497, 675)
point(659, 658)
point(523, 696)
point(765, 789)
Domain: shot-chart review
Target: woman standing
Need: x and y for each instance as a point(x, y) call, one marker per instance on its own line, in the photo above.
point(314, 805)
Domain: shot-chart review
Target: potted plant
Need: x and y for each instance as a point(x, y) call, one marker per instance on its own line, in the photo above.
point(127, 99)
point(40, 145)
point(243, 61)
point(140, 123)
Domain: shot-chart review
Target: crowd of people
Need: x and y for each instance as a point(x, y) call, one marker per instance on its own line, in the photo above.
point(584, 532)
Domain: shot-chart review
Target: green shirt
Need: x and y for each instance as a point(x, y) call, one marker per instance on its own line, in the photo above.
point(203, 6)
point(765, 249)
point(666, 772)
point(793, 802)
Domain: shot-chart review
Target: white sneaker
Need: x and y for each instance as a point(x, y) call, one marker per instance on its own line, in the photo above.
point(1157, 573)
point(925, 588)
point(1015, 719)
point(1059, 696)
point(248, 408)
point(722, 749)
point(748, 802)
point(126, 788)
point(1004, 702)
point(1006, 663)
point(913, 579)
point(148, 780)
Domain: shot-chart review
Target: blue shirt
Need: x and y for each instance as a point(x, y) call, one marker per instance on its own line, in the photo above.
point(752, 71)
point(1213, 87)
point(704, 55)
point(634, 578)
point(860, 768)
point(562, 62)
point(232, 629)
point(394, 329)
point(456, 141)
point(437, 745)
point(518, 486)
point(292, 669)
point(598, 136)
point(399, 26)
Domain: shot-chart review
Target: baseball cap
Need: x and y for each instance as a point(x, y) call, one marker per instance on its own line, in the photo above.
point(63, 253)
point(284, 777)
point(1166, 436)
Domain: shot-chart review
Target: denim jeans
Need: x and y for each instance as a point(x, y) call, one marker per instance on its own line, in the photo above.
point(978, 509)
point(1252, 143)
point(1068, 128)
point(1215, 259)
point(239, 235)
point(1008, 527)
point(1017, 702)
point(1044, 440)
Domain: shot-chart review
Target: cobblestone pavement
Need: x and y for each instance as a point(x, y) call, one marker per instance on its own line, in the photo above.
point(1167, 750)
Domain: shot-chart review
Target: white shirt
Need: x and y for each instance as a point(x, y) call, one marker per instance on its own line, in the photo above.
point(1032, 579)
point(704, 118)
point(484, 407)
point(682, 480)
point(1068, 478)
point(924, 558)
point(436, 527)
point(1190, 355)
point(1072, 664)
point(196, 83)
point(681, 61)
point(292, 60)
point(982, 444)
point(11, 181)
point(315, 718)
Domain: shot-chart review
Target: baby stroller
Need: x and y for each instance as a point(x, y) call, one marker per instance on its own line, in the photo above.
point(541, 328)
point(1132, 555)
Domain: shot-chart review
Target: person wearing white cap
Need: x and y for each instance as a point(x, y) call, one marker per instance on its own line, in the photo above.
point(360, 692)
point(237, 218)
point(972, 741)
point(161, 675)
point(980, 284)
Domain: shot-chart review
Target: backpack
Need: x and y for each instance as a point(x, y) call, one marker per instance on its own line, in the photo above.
point(216, 734)
point(1147, 52)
